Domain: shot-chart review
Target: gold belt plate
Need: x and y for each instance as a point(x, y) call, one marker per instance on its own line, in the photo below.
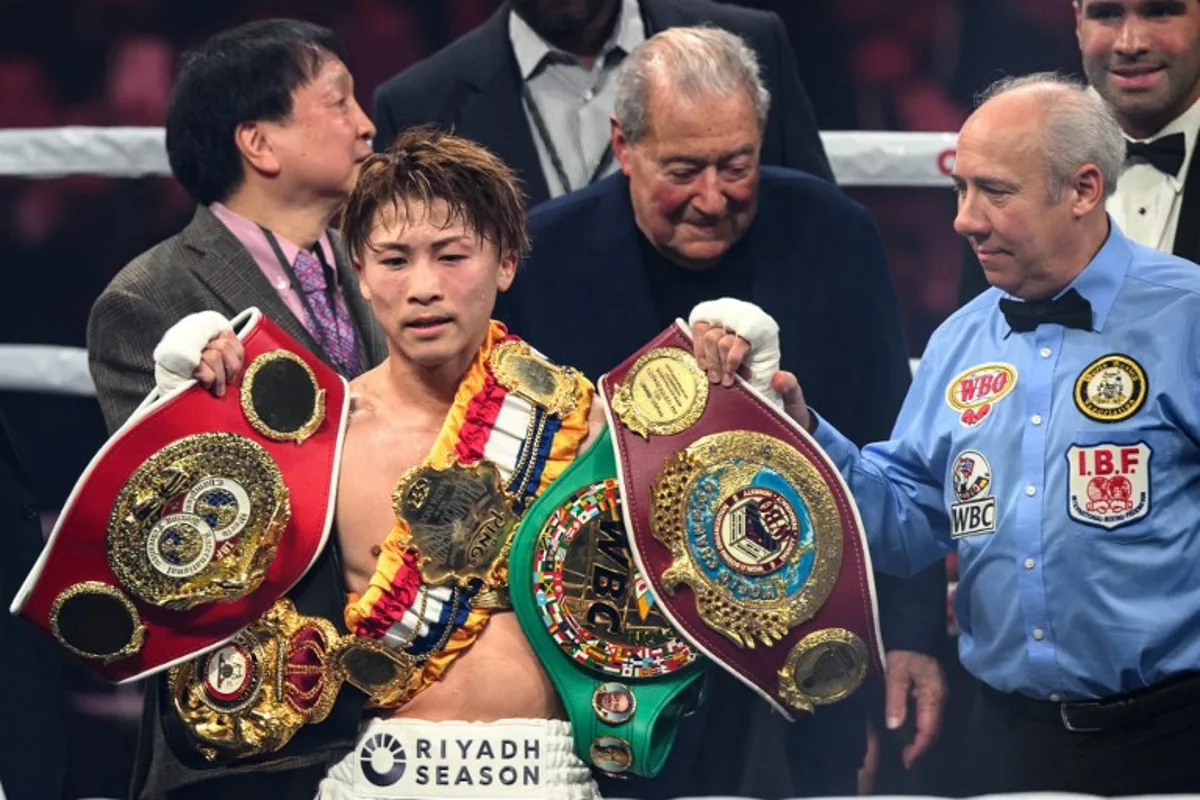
point(461, 520)
point(198, 522)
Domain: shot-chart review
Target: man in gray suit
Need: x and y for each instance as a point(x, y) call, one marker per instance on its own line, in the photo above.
point(264, 132)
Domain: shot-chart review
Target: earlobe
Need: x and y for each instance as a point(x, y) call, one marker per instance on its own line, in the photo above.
point(508, 271)
point(255, 147)
point(620, 145)
point(363, 289)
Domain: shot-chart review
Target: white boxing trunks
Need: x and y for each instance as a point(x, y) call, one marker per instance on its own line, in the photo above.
point(414, 760)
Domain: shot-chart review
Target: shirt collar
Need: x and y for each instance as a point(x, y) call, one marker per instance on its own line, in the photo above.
point(531, 49)
point(1101, 279)
point(254, 240)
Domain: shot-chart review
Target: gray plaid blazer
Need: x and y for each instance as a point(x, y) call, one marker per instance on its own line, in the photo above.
point(204, 267)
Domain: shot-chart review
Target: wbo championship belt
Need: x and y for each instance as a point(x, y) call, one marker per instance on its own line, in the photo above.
point(744, 528)
point(624, 675)
point(195, 516)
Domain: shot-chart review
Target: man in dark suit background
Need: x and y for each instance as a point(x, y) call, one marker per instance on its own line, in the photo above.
point(535, 85)
point(1143, 58)
point(693, 217)
point(264, 132)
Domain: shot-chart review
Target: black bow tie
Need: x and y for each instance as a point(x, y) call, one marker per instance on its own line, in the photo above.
point(1165, 154)
point(1071, 311)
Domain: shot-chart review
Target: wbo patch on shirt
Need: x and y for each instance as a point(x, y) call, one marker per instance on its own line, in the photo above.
point(975, 511)
point(1111, 388)
point(1109, 484)
point(973, 393)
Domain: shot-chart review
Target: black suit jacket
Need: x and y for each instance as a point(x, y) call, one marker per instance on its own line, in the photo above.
point(819, 270)
point(33, 714)
point(1186, 245)
point(473, 86)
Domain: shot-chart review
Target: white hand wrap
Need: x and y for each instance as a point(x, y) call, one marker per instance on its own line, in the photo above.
point(755, 326)
point(178, 353)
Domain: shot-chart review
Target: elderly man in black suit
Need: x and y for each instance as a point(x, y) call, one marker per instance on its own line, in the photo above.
point(535, 85)
point(693, 216)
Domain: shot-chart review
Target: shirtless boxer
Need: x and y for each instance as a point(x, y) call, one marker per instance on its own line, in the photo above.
point(432, 249)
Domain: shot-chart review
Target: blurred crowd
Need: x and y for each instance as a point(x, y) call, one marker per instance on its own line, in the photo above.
point(909, 65)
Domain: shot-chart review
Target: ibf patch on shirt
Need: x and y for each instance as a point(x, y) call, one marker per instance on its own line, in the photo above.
point(975, 392)
point(1109, 484)
point(1111, 388)
point(975, 511)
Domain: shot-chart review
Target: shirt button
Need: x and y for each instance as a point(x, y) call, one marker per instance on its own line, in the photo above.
point(1045, 352)
point(1029, 563)
point(1036, 419)
point(1031, 490)
point(1039, 634)
point(588, 95)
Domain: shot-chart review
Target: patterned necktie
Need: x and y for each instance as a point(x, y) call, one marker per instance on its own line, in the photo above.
point(331, 324)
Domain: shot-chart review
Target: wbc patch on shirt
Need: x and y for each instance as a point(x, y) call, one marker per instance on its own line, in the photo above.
point(1111, 388)
point(974, 392)
point(975, 510)
point(1108, 484)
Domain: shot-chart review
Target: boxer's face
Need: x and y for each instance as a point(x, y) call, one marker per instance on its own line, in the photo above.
point(693, 178)
point(432, 283)
point(1143, 57)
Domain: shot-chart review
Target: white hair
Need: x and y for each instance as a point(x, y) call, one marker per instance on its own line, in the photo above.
point(697, 62)
point(1080, 128)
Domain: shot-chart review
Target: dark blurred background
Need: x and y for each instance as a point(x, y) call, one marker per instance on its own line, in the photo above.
point(908, 65)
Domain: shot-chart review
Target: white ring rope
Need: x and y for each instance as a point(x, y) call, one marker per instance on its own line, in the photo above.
point(858, 158)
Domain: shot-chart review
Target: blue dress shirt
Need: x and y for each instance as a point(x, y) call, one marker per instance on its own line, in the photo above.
point(1064, 465)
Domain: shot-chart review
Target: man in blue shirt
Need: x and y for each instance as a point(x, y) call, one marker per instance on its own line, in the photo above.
point(1052, 437)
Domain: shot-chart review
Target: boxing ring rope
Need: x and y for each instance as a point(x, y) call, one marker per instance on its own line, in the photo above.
point(859, 159)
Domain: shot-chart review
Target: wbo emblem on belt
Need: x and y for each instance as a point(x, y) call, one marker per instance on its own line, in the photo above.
point(1109, 484)
point(975, 509)
point(183, 528)
point(1111, 388)
point(974, 392)
point(747, 533)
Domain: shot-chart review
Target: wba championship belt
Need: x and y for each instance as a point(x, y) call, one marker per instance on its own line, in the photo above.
point(625, 676)
point(196, 515)
point(745, 529)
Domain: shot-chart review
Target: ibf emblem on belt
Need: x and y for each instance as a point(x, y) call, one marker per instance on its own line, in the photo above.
point(198, 522)
point(760, 551)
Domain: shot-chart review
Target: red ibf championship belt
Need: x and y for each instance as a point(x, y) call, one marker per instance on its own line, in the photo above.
point(197, 515)
point(744, 528)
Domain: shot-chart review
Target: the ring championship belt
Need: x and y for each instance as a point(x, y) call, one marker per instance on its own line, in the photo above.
point(625, 676)
point(744, 528)
point(196, 515)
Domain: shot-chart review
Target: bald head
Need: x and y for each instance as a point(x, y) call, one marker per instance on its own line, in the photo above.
point(1033, 167)
point(1055, 119)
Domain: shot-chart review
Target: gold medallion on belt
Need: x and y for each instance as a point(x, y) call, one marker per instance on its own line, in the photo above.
point(198, 522)
point(251, 695)
point(752, 530)
point(461, 520)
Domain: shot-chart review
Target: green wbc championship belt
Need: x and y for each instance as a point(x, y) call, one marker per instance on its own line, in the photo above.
point(625, 676)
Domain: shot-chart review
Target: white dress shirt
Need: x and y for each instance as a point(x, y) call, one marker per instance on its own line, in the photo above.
point(1146, 203)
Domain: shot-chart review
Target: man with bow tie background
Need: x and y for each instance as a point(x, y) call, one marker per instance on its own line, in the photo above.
point(1143, 58)
point(1051, 438)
